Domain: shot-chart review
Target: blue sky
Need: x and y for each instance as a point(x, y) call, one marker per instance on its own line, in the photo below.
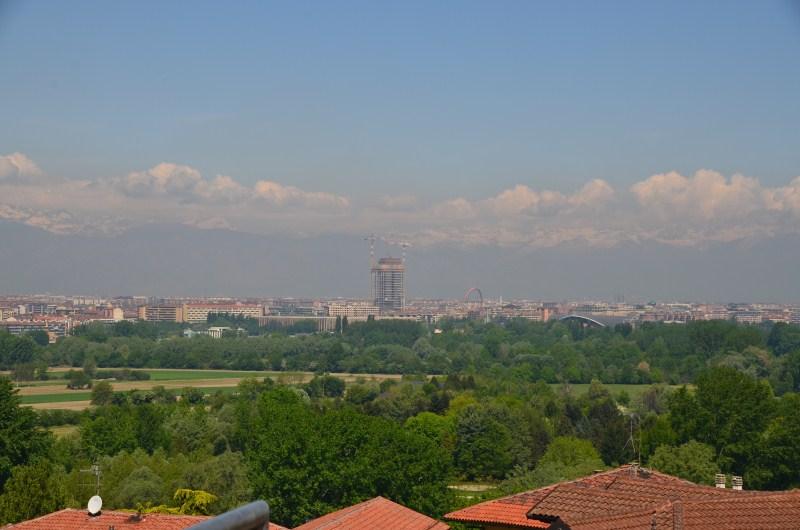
point(519, 124)
point(370, 98)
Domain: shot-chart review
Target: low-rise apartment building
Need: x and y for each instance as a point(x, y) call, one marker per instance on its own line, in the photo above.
point(198, 312)
point(161, 313)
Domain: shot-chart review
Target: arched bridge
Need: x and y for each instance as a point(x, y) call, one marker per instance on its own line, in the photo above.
point(583, 320)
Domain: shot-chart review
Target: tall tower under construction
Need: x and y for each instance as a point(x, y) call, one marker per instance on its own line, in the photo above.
point(389, 284)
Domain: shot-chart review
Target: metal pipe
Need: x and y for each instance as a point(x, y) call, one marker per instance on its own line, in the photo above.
point(253, 516)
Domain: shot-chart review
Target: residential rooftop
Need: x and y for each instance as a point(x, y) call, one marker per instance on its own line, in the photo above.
point(633, 498)
point(72, 519)
point(374, 514)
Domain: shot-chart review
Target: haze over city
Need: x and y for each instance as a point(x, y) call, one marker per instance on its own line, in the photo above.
point(534, 150)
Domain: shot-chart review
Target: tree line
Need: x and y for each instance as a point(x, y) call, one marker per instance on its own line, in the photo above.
point(554, 352)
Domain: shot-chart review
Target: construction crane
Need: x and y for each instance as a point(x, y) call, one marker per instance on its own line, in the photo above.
point(372, 238)
point(402, 243)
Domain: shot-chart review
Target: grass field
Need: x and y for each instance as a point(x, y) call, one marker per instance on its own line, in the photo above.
point(56, 398)
point(63, 430)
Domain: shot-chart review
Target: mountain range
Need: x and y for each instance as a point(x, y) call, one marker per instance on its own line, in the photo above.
point(181, 260)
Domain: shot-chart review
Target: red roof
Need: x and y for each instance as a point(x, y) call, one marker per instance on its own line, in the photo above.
point(630, 498)
point(374, 514)
point(71, 519)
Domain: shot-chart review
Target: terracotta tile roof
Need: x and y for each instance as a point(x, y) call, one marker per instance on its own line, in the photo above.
point(71, 519)
point(627, 521)
point(509, 511)
point(513, 510)
point(374, 514)
point(634, 499)
point(575, 502)
point(775, 511)
point(769, 511)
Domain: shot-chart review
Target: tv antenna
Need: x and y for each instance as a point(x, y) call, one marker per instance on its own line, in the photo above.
point(636, 450)
point(95, 503)
point(94, 470)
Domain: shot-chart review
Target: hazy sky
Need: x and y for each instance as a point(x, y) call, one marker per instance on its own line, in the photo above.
point(511, 123)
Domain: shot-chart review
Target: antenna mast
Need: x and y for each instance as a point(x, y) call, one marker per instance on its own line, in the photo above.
point(94, 470)
point(636, 450)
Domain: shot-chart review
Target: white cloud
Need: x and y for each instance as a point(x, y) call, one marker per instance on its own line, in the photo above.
point(187, 185)
point(706, 195)
point(667, 207)
point(522, 199)
point(17, 167)
point(280, 195)
point(221, 188)
point(786, 198)
point(162, 179)
point(453, 210)
point(593, 194)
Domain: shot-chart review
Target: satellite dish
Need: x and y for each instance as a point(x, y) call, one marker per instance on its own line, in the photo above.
point(95, 503)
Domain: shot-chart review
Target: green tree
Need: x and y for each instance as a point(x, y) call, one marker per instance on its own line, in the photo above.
point(439, 429)
point(566, 458)
point(20, 438)
point(728, 411)
point(24, 372)
point(192, 396)
point(32, 490)
point(784, 338)
point(325, 386)
point(482, 445)
point(225, 476)
point(308, 462)
point(90, 366)
point(102, 393)
point(77, 379)
point(775, 464)
point(190, 429)
point(112, 430)
point(194, 502)
point(609, 430)
point(693, 461)
point(143, 486)
point(39, 336)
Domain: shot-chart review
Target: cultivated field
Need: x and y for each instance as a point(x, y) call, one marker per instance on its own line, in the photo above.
point(54, 394)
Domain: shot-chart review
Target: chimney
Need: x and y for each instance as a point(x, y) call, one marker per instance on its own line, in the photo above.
point(737, 482)
point(719, 480)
